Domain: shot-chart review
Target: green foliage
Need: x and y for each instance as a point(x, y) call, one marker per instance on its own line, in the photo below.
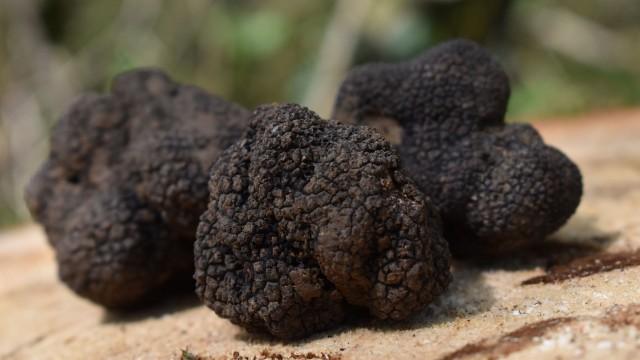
point(568, 89)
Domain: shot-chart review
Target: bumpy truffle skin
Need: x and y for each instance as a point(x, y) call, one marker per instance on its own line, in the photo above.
point(498, 186)
point(307, 217)
point(125, 183)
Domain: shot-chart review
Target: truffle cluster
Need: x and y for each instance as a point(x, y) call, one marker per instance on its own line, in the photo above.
point(125, 183)
point(308, 217)
point(298, 220)
point(498, 187)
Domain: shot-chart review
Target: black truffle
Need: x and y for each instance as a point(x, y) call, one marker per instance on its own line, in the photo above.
point(125, 183)
point(498, 187)
point(307, 216)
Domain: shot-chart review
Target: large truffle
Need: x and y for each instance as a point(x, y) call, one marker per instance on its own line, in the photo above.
point(498, 186)
point(306, 216)
point(125, 183)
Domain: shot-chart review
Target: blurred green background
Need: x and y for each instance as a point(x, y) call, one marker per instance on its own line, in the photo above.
point(564, 57)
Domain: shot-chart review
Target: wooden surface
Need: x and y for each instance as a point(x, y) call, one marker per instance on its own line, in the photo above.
point(588, 313)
